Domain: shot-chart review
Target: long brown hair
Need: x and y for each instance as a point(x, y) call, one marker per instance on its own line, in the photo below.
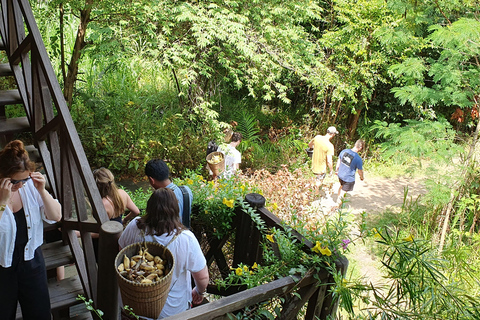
point(14, 158)
point(108, 189)
point(162, 213)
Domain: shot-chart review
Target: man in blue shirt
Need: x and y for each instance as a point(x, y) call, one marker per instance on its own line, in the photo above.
point(158, 174)
point(348, 162)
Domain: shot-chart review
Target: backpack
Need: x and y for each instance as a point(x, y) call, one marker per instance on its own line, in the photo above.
point(212, 147)
point(186, 207)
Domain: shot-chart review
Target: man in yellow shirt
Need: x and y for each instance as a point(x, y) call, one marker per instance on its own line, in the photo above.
point(322, 154)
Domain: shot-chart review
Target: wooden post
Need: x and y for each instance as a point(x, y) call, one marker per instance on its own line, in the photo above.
point(247, 240)
point(107, 289)
point(322, 304)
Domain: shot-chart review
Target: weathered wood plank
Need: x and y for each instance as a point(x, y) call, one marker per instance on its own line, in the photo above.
point(56, 254)
point(240, 300)
point(14, 125)
point(8, 97)
point(5, 70)
point(23, 48)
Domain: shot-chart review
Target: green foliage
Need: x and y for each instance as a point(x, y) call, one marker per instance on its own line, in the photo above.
point(99, 313)
point(214, 201)
point(432, 140)
point(247, 126)
point(417, 284)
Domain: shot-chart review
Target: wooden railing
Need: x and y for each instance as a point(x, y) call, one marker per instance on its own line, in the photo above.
point(65, 164)
point(310, 293)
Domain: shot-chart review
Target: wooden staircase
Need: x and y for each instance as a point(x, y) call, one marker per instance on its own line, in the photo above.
point(33, 109)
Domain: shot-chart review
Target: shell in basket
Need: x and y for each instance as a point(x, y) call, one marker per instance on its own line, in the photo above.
point(145, 284)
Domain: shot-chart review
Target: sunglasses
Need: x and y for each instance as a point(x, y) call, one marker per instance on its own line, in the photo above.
point(17, 181)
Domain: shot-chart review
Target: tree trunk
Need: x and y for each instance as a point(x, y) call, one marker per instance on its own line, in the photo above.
point(71, 78)
point(62, 43)
point(353, 123)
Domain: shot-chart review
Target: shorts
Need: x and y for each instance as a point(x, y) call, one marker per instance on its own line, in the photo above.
point(346, 186)
point(320, 176)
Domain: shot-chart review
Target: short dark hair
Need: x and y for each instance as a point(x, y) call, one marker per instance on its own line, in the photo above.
point(157, 169)
point(236, 136)
point(360, 144)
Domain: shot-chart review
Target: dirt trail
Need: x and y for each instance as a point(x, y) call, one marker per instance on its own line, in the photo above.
point(374, 195)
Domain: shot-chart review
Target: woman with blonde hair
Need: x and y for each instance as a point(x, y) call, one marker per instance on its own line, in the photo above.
point(24, 203)
point(114, 199)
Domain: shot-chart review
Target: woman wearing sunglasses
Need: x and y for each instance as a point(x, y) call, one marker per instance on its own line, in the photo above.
point(24, 203)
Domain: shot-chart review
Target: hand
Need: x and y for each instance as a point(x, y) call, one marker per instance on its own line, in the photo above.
point(197, 298)
point(38, 180)
point(5, 190)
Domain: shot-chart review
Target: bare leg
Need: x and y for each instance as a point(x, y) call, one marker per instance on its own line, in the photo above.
point(60, 273)
point(341, 195)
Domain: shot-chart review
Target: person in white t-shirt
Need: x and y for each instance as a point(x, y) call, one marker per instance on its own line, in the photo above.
point(233, 157)
point(162, 224)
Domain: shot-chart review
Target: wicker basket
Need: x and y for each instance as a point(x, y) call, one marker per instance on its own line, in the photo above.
point(216, 168)
point(145, 299)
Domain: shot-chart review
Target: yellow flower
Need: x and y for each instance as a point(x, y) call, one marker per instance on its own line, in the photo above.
point(270, 238)
point(239, 271)
point(275, 206)
point(376, 234)
point(344, 282)
point(189, 181)
point(325, 251)
point(255, 266)
point(243, 188)
point(317, 247)
point(251, 272)
point(245, 268)
point(409, 238)
point(228, 203)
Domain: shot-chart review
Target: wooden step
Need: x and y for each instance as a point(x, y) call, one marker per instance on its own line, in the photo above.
point(14, 125)
point(5, 70)
point(56, 254)
point(33, 153)
point(8, 97)
point(63, 295)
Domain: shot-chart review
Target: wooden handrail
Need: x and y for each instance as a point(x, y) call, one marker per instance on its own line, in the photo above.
point(57, 140)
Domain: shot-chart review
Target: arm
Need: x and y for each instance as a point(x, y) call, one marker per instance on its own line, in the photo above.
point(5, 194)
point(338, 166)
point(310, 144)
point(53, 209)
point(330, 163)
point(134, 211)
point(236, 166)
point(360, 173)
point(201, 281)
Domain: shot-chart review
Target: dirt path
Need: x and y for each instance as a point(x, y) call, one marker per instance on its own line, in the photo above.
point(374, 195)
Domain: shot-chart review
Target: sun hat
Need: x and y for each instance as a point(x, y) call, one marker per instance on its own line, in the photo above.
point(332, 130)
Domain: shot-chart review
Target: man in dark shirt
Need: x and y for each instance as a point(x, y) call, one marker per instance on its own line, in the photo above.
point(348, 162)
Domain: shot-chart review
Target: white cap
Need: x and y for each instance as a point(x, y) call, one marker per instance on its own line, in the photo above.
point(332, 130)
